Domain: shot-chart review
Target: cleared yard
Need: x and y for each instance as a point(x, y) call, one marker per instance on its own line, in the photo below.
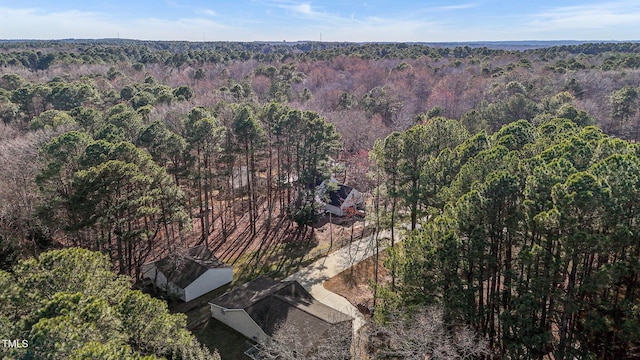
point(354, 284)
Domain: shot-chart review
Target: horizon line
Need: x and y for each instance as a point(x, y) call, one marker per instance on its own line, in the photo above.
point(325, 41)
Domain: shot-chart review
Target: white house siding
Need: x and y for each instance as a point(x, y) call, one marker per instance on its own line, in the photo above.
point(150, 271)
point(333, 209)
point(353, 199)
point(210, 280)
point(238, 320)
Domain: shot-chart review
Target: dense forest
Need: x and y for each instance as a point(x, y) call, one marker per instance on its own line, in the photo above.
point(69, 304)
point(530, 234)
point(512, 177)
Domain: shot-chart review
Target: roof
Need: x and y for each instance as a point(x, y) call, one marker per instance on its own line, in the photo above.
point(183, 268)
point(337, 197)
point(310, 319)
point(270, 303)
point(310, 306)
point(249, 293)
point(334, 197)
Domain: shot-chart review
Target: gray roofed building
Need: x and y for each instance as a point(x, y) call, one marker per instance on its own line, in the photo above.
point(189, 273)
point(339, 199)
point(250, 293)
point(257, 308)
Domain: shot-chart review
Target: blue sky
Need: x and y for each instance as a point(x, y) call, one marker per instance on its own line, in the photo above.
point(327, 20)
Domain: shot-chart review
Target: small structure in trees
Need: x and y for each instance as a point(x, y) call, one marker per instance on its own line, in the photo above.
point(339, 199)
point(259, 308)
point(239, 178)
point(189, 274)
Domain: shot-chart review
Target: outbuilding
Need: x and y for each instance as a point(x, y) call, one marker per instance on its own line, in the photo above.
point(189, 274)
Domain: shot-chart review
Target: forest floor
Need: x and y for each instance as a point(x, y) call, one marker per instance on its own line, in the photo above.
point(278, 247)
point(354, 284)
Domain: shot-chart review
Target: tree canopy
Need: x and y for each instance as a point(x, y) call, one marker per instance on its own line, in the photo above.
point(68, 304)
point(533, 241)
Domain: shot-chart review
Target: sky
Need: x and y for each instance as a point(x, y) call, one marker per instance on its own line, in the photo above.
point(325, 20)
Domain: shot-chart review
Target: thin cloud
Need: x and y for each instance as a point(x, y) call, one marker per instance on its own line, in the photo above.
point(32, 23)
point(306, 10)
point(457, 7)
point(306, 19)
point(380, 29)
point(417, 25)
point(413, 26)
point(623, 15)
point(209, 12)
point(39, 24)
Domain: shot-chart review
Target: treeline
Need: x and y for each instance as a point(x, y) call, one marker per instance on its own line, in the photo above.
point(591, 48)
point(158, 107)
point(525, 230)
point(352, 85)
point(40, 55)
point(529, 234)
point(22, 101)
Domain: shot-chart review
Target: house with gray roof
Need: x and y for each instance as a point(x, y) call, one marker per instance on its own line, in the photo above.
point(257, 308)
point(189, 274)
point(339, 199)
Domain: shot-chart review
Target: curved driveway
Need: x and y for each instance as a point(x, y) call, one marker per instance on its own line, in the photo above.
point(313, 276)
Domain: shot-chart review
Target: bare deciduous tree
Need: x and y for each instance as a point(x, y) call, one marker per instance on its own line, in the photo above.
point(287, 344)
point(424, 335)
point(19, 197)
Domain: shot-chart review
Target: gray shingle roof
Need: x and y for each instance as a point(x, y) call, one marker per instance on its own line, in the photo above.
point(183, 268)
point(271, 302)
point(337, 197)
